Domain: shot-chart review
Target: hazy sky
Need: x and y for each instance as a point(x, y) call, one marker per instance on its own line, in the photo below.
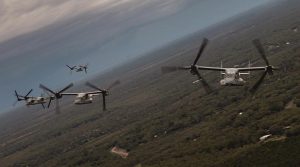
point(38, 37)
point(18, 16)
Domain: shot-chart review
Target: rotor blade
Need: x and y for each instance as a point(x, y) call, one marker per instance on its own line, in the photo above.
point(49, 102)
point(17, 95)
point(93, 86)
point(47, 89)
point(117, 82)
point(28, 92)
point(100, 100)
point(206, 86)
point(169, 69)
point(104, 102)
point(57, 108)
point(69, 67)
point(204, 83)
point(43, 105)
point(46, 92)
point(260, 49)
point(67, 87)
point(202, 47)
point(258, 83)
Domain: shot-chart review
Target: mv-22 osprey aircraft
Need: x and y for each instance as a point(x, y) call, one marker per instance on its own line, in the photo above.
point(81, 98)
point(30, 100)
point(78, 68)
point(232, 76)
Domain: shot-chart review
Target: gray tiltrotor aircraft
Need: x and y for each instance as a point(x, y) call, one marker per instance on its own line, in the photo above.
point(232, 76)
point(78, 68)
point(30, 100)
point(81, 98)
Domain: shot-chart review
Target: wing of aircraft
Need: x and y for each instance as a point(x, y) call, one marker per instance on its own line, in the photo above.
point(76, 94)
point(211, 68)
point(252, 69)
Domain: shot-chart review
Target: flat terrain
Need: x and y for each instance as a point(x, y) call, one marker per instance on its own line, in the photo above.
point(165, 120)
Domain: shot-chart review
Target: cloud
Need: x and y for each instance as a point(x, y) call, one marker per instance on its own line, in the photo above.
point(19, 17)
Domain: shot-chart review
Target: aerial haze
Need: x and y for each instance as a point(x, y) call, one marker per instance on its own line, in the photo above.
point(160, 114)
point(39, 37)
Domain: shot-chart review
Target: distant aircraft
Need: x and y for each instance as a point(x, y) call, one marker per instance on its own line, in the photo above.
point(30, 100)
point(232, 76)
point(78, 68)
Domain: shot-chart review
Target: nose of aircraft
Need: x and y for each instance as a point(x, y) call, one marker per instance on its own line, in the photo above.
point(222, 82)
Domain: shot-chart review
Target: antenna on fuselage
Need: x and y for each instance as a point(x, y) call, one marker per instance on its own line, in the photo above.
point(221, 76)
point(247, 73)
point(249, 65)
point(222, 72)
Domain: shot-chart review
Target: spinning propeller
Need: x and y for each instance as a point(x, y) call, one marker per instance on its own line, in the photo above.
point(104, 92)
point(268, 69)
point(71, 68)
point(57, 95)
point(193, 68)
point(20, 97)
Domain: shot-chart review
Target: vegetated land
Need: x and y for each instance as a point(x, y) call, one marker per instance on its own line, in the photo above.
point(165, 120)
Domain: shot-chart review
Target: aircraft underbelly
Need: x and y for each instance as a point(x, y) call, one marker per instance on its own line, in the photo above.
point(81, 102)
point(232, 82)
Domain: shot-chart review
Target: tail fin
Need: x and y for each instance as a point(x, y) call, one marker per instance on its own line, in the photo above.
point(247, 73)
point(249, 65)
